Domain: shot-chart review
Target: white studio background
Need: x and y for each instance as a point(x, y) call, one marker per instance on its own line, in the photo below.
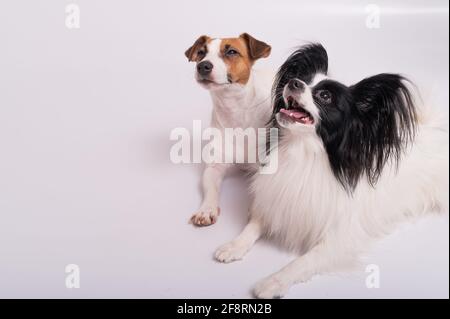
point(85, 118)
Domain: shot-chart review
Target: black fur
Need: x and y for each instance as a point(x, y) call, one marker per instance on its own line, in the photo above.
point(303, 64)
point(364, 126)
point(367, 125)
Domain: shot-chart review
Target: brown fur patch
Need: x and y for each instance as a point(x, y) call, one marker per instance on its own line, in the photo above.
point(239, 65)
point(249, 50)
point(200, 45)
point(257, 49)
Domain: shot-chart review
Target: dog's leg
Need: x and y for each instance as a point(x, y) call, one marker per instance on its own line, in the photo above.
point(209, 209)
point(320, 259)
point(237, 248)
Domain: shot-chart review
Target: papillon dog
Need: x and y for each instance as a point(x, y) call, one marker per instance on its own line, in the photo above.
point(354, 161)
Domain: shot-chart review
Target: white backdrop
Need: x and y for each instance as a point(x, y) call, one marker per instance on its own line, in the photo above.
point(85, 118)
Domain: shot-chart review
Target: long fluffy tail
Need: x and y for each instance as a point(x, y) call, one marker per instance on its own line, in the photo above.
point(427, 112)
point(433, 125)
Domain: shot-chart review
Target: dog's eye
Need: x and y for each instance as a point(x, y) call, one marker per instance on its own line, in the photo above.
point(201, 53)
point(324, 96)
point(232, 52)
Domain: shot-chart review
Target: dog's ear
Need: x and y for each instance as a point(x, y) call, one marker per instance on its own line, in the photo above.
point(384, 123)
point(191, 53)
point(257, 49)
point(388, 99)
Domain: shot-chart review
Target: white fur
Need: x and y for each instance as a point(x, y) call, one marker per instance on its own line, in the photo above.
point(219, 72)
point(234, 106)
point(304, 207)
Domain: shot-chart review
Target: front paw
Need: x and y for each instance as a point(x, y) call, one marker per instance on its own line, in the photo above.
point(206, 216)
point(230, 252)
point(270, 288)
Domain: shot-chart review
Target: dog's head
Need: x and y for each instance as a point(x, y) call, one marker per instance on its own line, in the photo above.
point(221, 62)
point(361, 127)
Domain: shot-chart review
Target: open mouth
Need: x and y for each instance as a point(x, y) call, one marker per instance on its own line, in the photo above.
point(296, 113)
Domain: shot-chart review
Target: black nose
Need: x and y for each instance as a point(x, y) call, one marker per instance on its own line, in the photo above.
point(296, 85)
point(204, 68)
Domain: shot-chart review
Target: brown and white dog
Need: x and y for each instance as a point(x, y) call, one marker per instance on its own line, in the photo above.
point(241, 98)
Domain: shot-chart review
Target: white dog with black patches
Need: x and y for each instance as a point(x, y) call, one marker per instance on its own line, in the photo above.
point(354, 161)
point(241, 99)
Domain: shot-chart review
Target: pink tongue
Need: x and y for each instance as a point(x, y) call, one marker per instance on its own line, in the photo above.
point(294, 114)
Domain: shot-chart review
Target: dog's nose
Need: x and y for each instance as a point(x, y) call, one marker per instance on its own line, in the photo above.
point(204, 68)
point(296, 85)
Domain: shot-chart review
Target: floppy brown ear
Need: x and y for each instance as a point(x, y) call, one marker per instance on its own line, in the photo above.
point(191, 53)
point(257, 49)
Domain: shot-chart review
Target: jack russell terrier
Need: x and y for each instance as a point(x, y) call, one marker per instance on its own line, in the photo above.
point(241, 98)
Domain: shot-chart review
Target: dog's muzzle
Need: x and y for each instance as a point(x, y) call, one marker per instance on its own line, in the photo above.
point(295, 85)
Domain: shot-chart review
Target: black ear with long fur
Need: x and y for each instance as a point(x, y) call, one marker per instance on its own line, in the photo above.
point(383, 123)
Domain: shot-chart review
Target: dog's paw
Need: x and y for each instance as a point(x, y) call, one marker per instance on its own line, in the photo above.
point(205, 217)
point(270, 288)
point(230, 252)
